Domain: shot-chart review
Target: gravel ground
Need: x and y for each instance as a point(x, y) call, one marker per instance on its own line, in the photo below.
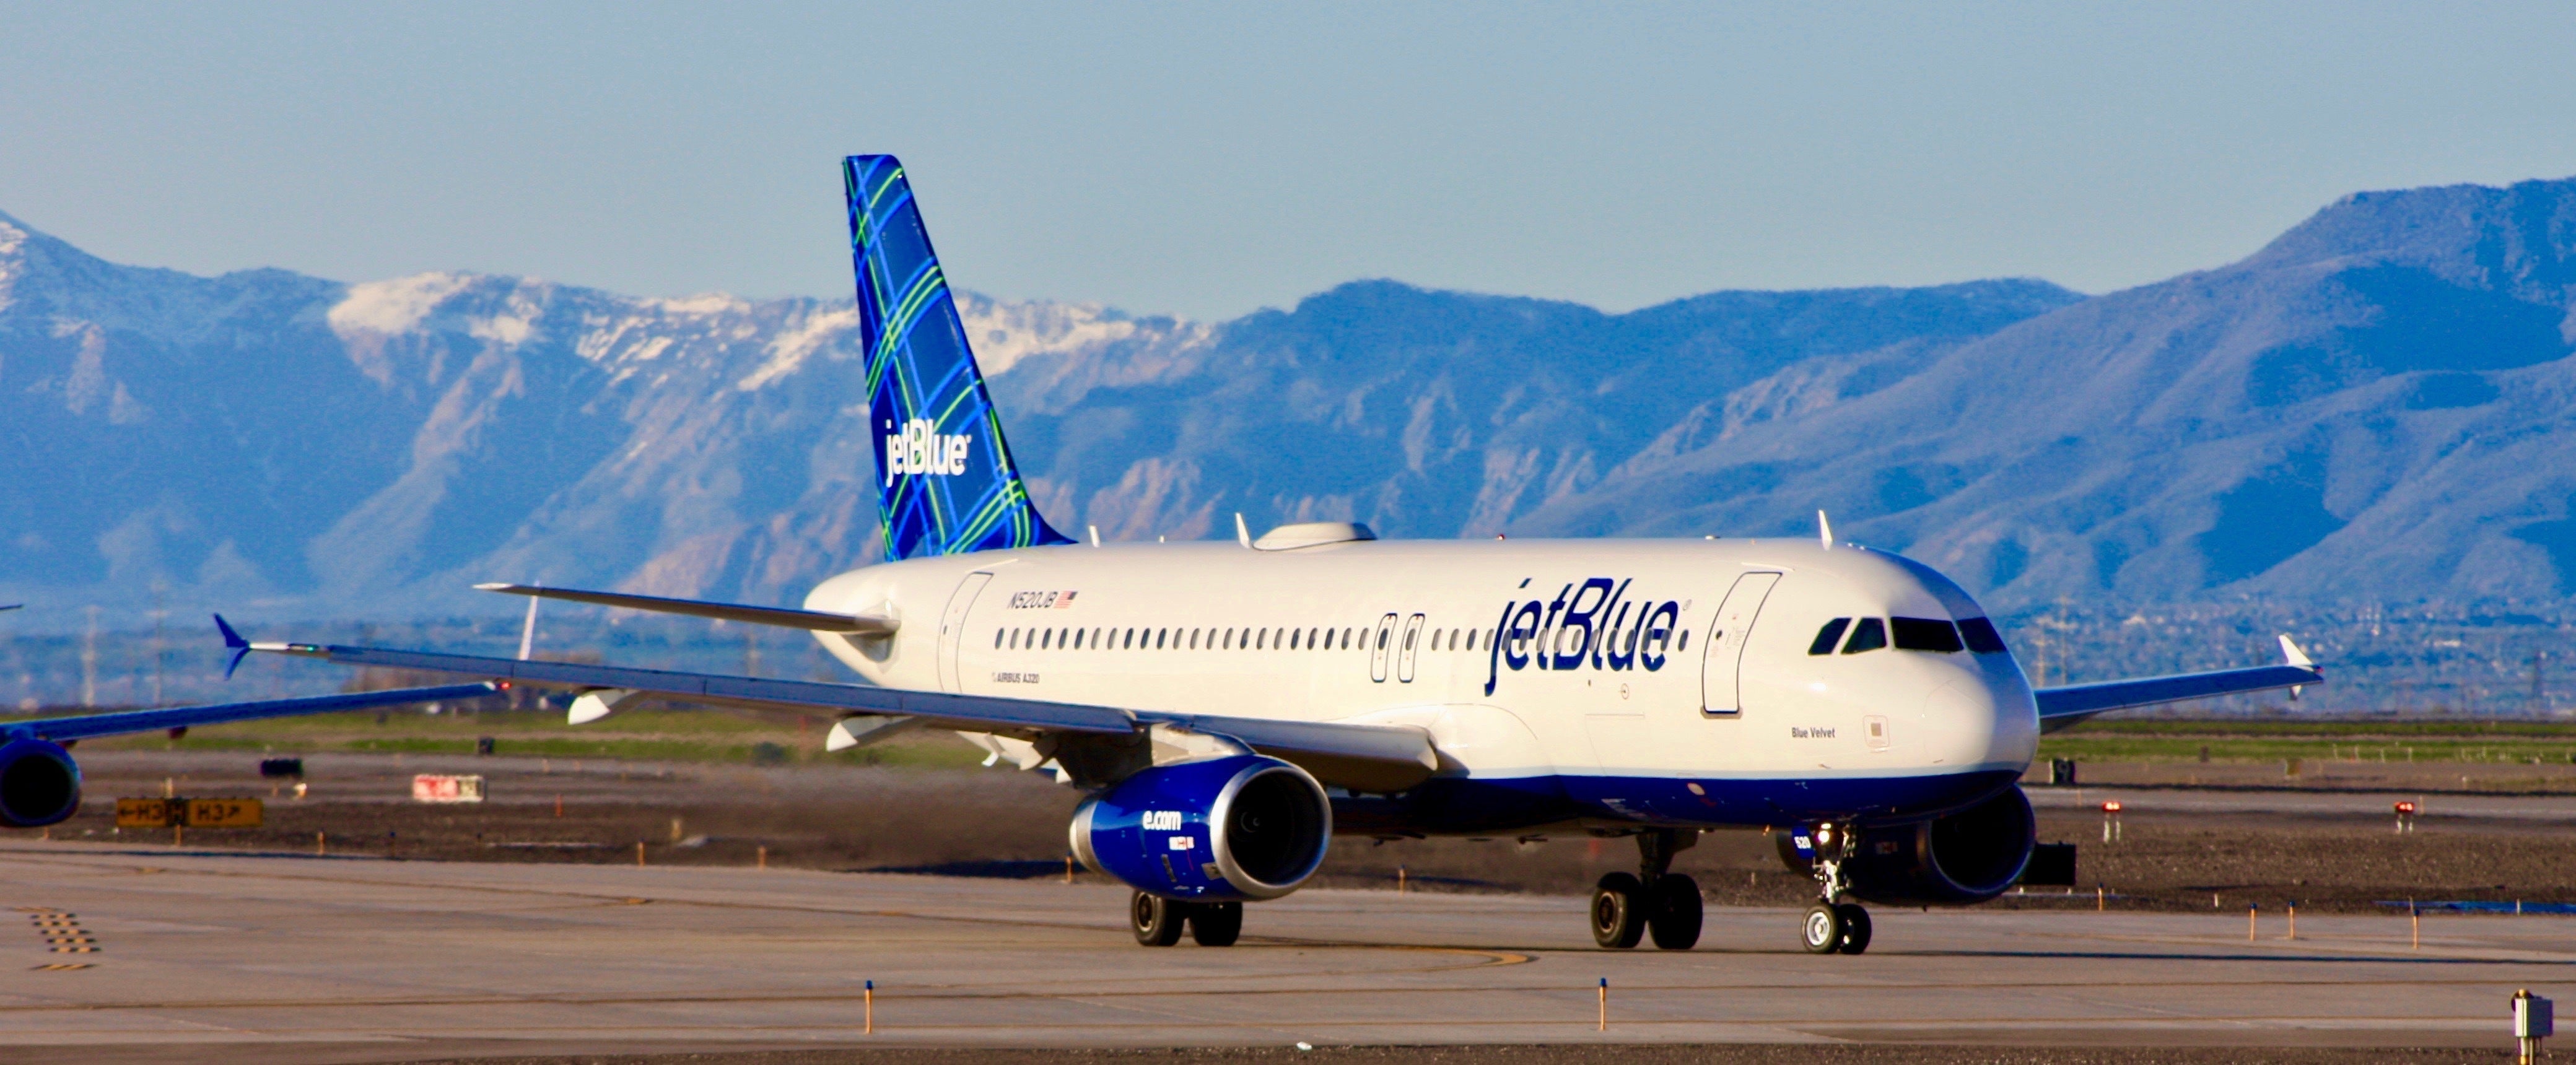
point(1724, 1054)
point(1003, 823)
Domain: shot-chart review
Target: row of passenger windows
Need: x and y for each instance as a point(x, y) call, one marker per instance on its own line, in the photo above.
point(1911, 634)
point(1268, 639)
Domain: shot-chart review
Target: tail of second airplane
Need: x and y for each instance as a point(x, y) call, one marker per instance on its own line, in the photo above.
point(946, 484)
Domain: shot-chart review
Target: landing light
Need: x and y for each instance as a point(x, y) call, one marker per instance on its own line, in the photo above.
point(2111, 807)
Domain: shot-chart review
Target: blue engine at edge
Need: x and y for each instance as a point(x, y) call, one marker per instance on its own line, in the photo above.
point(1239, 827)
point(39, 783)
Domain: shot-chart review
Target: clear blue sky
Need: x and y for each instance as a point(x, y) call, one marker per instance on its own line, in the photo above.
point(1207, 159)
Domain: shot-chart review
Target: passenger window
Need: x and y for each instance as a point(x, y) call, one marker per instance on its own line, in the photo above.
point(1828, 636)
point(997, 639)
point(1471, 639)
point(1869, 634)
point(1926, 634)
point(1981, 636)
point(1685, 644)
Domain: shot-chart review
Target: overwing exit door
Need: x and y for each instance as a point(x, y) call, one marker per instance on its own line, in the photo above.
point(1722, 664)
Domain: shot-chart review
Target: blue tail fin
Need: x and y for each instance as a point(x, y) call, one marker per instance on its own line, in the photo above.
point(945, 480)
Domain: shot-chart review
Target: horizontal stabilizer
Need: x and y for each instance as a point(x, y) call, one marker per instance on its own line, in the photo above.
point(819, 621)
point(123, 722)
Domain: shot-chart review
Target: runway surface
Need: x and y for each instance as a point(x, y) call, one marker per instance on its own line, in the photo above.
point(328, 959)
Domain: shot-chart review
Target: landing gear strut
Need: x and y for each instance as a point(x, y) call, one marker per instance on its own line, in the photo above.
point(1158, 921)
point(1626, 907)
point(1833, 926)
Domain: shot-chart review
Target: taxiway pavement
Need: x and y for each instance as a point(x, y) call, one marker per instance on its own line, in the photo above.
point(304, 959)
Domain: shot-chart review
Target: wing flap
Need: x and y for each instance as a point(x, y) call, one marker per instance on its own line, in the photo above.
point(816, 620)
point(944, 710)
point(2060, 707)
point(1368, 758)
point(121, 722)
point(1371, 758)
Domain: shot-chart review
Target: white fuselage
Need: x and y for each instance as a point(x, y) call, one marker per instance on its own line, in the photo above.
point(1617, 680)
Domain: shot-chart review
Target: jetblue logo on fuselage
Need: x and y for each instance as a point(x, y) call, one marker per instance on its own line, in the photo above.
point(1588, 625)
point(922, 449)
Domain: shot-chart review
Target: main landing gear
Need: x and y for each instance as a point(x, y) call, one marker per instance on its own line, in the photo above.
point(1656, 900)
point(1833, 926)
point(1157, 921)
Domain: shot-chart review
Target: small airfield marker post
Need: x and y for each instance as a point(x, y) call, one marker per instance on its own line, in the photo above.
point(1604, 1024)
point(871, 1000)
point(2533, 1021)
point(2250, 912)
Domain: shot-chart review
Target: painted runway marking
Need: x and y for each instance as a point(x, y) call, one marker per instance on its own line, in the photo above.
point(62, 931)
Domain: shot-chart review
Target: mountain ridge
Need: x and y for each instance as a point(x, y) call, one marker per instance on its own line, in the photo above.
point(2378, 391)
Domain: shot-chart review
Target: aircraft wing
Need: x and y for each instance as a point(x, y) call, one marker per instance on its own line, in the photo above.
point(85, 726)
point(1362, 757)
point(2061, 707)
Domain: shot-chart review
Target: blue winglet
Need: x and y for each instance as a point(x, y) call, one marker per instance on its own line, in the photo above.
point(241, 647)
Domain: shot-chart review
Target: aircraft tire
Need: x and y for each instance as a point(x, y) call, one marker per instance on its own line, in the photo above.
point(1821, 932)
point(1618, 911)
point(1156, 920)
point(1675, 922)
point(1855, 938)
point(1216, 924)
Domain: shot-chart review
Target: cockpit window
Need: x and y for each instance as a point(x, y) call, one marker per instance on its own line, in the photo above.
point(1982, 637)
point(1828, 636)
point(1926, 634)
point(1869, 635)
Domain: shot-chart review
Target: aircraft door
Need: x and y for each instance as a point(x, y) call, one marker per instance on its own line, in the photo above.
point(952, 627)
point(1404, 658)
point(1722, 663)
point(1378, 647)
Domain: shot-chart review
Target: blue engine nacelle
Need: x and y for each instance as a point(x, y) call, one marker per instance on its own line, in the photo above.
point(39, 783)
point(1240, 827)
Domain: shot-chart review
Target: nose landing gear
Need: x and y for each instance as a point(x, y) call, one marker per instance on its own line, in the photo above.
point(1627, 908)
point(1833, 926)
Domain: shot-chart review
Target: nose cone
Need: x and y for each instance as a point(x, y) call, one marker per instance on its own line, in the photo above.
point(1987, 720)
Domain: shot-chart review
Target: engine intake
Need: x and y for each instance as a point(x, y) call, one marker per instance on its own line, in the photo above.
point(1956, 859)
point(39, 783)
point(1239, 827)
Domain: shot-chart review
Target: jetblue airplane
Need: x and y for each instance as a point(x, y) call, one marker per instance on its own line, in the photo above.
point(1228, 706)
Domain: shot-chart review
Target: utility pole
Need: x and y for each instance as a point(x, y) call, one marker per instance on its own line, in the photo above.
point(2539, 682)
point(158, 589)
point(89, 661)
